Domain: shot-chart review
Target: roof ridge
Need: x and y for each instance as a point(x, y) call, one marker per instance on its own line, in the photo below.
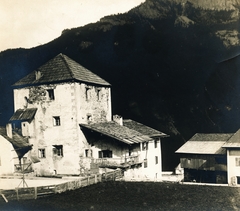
point(67, 65)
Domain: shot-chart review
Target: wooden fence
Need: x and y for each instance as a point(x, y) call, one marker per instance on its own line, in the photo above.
point(36, 192)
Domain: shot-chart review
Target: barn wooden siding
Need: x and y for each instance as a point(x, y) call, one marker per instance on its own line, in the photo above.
point(204, 162)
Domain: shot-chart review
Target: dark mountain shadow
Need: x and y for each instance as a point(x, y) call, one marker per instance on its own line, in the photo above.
point(163, 73)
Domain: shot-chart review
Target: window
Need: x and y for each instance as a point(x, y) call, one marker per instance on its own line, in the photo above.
point(50, 94)
point(156, 159)
point(98, 93)
point(56, 120)
point(87, 93)
point(58, 150)
point(105, 154)
point(145, 146)
point(145, 163)
point(41, 153)
point(155, 143)
point(130, 151)
point(88, 153)
point(89, 117)
point(237, 161)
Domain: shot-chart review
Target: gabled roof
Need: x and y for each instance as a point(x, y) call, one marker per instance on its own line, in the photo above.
point(24, 114)
point(61, 69)
point(234, 141)
point(205, 144)
point(19, 143)
point(143, 129)
point(118, 132)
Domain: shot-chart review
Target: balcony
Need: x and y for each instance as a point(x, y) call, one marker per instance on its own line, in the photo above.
point(122, 162)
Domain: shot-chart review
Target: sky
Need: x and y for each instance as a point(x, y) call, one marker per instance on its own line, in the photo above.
point(29, 23)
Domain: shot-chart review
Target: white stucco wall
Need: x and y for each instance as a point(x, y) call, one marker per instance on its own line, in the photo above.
point(233, 169)
point(153, 170)
point(7, 155)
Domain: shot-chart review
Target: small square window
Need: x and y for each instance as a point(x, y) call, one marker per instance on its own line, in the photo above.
point(41, 153)
point(58, 150)
point(155, 143)
point(88, 153)
point(89, 118)
point(50, 94)
point(145, 163)
point(237, 161)
point(56, 121)
point(156, 159)
point(105, 154)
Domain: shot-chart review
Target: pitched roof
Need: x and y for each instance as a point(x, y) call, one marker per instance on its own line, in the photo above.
point(24, 114)
point(20, 143)
point(143, 129)
point(60, 69)
point(234, 141)
point(205, 144)
point(118, 132)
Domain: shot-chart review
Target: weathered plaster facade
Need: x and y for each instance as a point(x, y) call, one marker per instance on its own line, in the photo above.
point(73, 103)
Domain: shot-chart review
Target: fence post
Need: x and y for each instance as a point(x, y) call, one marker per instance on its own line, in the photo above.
point(17, 194)
point(55, 189)
point(35, 192)
point(95, 178)
point(68, 186)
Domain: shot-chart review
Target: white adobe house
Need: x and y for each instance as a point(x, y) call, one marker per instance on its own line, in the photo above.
point(64, 110)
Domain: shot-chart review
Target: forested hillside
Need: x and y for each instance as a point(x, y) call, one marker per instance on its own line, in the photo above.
point(172, 66)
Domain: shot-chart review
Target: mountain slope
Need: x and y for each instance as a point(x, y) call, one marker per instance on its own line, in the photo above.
point(159, 68)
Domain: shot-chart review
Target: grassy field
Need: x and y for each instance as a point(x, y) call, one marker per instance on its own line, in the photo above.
point(135, 196)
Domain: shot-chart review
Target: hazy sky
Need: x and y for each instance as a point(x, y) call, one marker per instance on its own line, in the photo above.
point(28, 23)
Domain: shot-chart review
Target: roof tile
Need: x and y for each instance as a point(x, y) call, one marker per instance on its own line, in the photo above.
point(143, 129)
point(61, 68)
point(234, 141)
point(116, 131)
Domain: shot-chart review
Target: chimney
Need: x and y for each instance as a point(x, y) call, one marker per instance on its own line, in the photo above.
point(38, 74)
point(9, 130)
point(118, 119)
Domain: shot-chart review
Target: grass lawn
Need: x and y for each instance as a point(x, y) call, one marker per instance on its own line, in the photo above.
point(135, 196)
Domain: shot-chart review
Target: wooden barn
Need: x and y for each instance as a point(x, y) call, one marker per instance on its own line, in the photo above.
point(204, 158)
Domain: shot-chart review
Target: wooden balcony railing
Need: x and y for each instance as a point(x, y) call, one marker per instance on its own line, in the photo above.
point(117, 162)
